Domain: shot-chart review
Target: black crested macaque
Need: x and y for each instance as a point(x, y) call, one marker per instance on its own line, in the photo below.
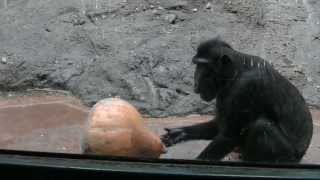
point(257, 109)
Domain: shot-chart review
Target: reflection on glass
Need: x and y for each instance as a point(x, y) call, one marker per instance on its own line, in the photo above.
point(60, 58)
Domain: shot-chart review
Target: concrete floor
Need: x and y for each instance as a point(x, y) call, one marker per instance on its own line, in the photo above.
point(56, 123)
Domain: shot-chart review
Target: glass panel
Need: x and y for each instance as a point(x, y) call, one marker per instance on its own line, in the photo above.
point(250, 65)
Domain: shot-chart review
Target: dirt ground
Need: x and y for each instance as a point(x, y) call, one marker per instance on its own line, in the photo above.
point(140, 50)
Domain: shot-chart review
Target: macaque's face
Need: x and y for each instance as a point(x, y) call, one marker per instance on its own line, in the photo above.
point(204, 81)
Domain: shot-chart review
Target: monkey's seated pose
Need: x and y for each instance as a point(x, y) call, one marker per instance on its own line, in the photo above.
point(257, 109)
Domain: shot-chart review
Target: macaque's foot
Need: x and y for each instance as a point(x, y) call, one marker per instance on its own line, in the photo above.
point(173, 136)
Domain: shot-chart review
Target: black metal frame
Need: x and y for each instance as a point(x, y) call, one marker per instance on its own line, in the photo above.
point(40, 165)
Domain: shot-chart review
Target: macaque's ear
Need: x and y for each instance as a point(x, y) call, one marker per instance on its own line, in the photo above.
point(225, 60)
point(197, 60)
point(226, 67)
point(224, 63)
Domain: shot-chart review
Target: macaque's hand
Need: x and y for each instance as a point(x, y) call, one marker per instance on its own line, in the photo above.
point(173, 136)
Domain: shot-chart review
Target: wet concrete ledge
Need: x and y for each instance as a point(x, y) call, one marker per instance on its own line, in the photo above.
point(55, 124)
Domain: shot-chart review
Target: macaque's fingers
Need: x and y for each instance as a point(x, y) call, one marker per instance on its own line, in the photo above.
point(166, 141)
point(173, 136)
point(167, 129)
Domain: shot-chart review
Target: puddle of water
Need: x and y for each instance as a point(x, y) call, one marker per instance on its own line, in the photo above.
point(42, 123)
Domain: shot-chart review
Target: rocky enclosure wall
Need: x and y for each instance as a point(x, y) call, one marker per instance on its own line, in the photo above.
point(141, 50)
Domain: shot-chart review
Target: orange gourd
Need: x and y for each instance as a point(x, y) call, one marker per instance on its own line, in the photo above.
point(116, 128)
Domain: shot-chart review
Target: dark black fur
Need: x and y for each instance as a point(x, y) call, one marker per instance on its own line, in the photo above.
point(258, 109)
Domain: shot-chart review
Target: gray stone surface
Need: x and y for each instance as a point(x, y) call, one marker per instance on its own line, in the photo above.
point(140, 50)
